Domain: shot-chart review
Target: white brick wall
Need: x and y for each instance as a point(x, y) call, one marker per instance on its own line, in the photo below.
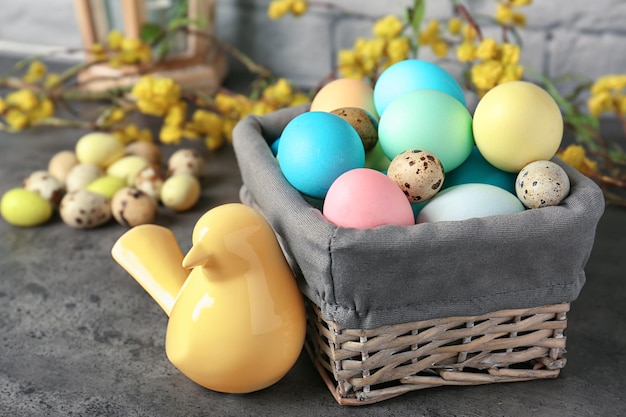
point(562, 36)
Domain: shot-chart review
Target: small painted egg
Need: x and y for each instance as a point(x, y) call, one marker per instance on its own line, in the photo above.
point(149, 151)
point(180, 192)
point(107, 185)
point(81, 175)
point(541, 184)
point(44, 184)
point(364, 124)
point(127, 168)
point(26, 208)
point(61, 164)
point(186, 161)
point(99, 148)
point(132, 207)
point(418, 173)
point(84, 209)
point(150, 181)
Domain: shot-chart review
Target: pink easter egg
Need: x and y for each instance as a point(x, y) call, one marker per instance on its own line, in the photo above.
point(364, 198)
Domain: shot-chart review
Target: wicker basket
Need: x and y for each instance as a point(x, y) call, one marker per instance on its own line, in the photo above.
point(395, 309)
point(366, 366)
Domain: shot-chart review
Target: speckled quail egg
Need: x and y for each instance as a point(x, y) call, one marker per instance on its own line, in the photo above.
point(44, 184)
point(364, 124)
point(84, 209)
point(418, 173)
point(186, 161)
point(132, 207)
point(542, 183)
point(150, 181)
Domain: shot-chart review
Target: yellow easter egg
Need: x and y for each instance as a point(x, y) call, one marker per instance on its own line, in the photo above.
point(180, 192)
point(516, 123)
point(22, 207)
point(127, 168)
point(106, 185)
point(98, 148)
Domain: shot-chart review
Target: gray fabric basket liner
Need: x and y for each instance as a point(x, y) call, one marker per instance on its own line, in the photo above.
point(367, 278)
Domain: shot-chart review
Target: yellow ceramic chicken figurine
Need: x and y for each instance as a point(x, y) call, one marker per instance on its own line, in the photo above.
point(237, 320)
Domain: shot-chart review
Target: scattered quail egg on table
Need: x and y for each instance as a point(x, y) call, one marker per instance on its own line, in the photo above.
point(541, 184)
point(418, 173)
point(364, 124)
point(107, 185)
point(186, 161)
point(150, 151)
point(84, 209)
point(81, 175)
point(44, 184)
point(150, 181)
point(99, 148)
point(132, 207)
point(127, 167)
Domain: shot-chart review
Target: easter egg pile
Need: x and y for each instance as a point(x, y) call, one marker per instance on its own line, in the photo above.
point(102, 179)
point(407, 150)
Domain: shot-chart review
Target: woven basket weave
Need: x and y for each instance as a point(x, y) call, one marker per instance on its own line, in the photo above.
point(366, 366)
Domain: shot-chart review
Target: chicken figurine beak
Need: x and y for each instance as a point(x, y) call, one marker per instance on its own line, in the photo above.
point(236, 316)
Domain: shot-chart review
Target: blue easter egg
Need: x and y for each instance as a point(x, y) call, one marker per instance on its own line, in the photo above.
point(274, 146)
point(315, 149)
point(411, 75)
point(476, 169)
point(427, 120)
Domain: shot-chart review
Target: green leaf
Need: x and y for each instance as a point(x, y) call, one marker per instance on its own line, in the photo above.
point(150, 32)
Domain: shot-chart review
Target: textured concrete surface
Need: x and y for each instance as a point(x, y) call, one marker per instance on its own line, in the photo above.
point(78, 337)
point(561, 36)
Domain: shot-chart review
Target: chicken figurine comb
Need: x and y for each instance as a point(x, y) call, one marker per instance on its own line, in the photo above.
point(236, 316)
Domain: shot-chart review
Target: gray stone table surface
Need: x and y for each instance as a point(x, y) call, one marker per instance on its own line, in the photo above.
point(79, 337)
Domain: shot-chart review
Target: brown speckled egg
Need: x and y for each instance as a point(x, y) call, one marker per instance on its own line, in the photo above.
point(418, 173)
point(150, 180)
point(542, 183)
point(84, 209)
point(44, 184)
point(186, 161)
point(364, 124)
point(132, 207)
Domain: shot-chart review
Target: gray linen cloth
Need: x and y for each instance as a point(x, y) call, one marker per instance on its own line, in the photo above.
point(367, 278)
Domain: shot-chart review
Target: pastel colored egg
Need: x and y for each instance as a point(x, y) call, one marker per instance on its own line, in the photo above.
point(477, 169)
point(180, 192)
point(149, 151)
point(61, 164)
point(107, 185)
point(411, 75)
point(25, 208)
point(428, 120)
point(376, 159)
point(419, 174)
point(516, 123)
point(365, 198)
point(541, 184)
point(317, 147)
point(82, 175)
point(345, 92)
point(127, 168)
point(186, 161)
point(466, 201)
point(99, 148)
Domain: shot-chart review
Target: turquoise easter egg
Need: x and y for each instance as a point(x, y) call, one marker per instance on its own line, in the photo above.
point(476, 169)
point(411, 75)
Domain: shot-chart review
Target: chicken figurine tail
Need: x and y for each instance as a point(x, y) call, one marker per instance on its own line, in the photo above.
point(236, 316)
